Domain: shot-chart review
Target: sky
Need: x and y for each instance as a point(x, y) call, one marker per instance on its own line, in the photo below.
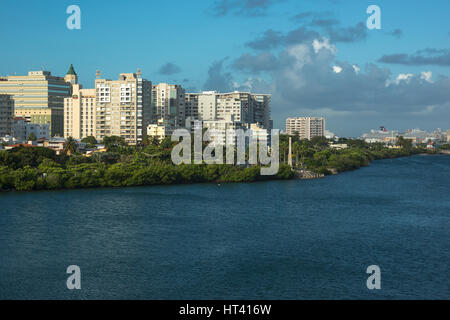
point(316, 57)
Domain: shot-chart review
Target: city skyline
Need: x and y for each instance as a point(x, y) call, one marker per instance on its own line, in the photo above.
point(312, 62)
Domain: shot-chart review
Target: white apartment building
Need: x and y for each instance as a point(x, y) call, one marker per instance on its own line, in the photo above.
point(207, 105)
point(224, 129)
point(306, 127)
point(124, 107)
point(80, 113)
point(243, 106)
point(259, 133)
point(168, 103)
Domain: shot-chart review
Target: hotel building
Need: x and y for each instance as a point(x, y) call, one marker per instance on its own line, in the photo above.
point(80, 113)
point(6, 114)
point(123, 107)
point(306, 127)
point(168, 103)
point(38, 97)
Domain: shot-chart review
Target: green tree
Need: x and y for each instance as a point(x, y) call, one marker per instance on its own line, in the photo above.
point(31, 137)
point(90, 141)
point(70, 147)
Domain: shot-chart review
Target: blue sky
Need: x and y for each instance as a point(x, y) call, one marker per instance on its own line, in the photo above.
point(206, 41)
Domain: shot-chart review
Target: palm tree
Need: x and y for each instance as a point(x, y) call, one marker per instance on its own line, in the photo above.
point(70, 146)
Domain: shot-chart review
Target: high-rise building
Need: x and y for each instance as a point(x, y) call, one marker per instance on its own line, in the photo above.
point(38, 97)
point(80, 113)
point(6, 114)
point(168, 103)
point(191, 105)
point(71, 76)
point(306, 127)
point(207, 105)
point(245, 107)
point(124, 107)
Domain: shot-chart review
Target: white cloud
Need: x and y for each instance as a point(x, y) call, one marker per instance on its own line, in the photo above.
point(324, 44)
point(337, 69)
point(426, 75)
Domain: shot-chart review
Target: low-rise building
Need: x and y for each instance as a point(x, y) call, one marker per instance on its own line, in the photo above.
point(160, 130)
point(23, 128)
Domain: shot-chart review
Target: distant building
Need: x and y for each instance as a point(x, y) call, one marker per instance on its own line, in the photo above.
point(448, 135)
point(259, 133)
point(168, 103)
point(245, 107)
point(382, 135)
point(306, 127)
point(224, 129)
point(80, 113)
point(124, 107)
point(6, 114)
point(191, 105)
point(22, 129)
point(38, 97)
point(160, 130)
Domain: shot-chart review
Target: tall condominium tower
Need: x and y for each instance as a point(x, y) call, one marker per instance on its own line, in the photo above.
point(124, 107)
point(168, 104)
point(306, 127)
point(191, 105)
point(245, 107)
point(80, 113)
point(6, 114)
point(38, 97)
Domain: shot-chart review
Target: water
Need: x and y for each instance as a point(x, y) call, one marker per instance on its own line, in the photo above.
point(274, 240)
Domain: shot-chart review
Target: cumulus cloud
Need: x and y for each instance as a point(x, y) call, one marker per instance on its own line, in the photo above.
point(254, 64)
point(218, 79)
point(429, 56)
point(307, 79)
point(313, 25)
point(169, 68)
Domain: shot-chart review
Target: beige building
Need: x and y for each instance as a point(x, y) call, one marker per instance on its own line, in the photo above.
point(448, 135)
point(168, 103)
point(123, 107)
point(80, 113)
point(6, 115)
point(38, 97)
point(306, 127)
point(207, 105)
point(161, 130)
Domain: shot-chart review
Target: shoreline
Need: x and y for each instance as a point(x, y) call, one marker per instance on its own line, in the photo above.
point(296, 176)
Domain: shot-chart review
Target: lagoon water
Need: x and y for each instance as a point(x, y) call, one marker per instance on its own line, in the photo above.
point(272, 240)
